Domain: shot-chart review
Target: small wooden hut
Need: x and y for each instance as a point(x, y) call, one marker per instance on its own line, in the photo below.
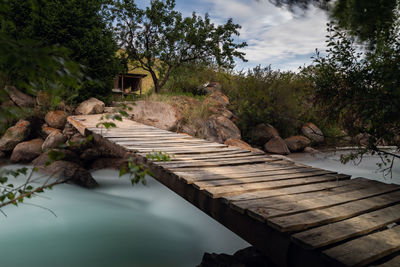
point(128, 83)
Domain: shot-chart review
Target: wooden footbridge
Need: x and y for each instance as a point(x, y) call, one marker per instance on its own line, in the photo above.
point(296, 214)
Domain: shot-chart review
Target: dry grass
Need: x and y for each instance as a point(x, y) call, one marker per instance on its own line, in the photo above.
point(193, 109)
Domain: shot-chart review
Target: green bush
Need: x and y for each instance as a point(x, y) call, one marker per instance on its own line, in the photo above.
point(282, 99)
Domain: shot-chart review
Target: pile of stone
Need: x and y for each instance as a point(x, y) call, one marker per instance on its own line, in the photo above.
point(268, 137)
point(32, 141)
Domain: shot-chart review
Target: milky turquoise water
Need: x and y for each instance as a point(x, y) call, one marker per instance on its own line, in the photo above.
point(366, 168)
point(114, 225)
point(120, 225)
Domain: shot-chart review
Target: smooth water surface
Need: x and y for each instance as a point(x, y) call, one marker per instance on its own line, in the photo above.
point(366, 168)
point(114, 225)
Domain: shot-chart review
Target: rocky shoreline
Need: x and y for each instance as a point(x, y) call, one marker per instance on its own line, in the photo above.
point(42, 138)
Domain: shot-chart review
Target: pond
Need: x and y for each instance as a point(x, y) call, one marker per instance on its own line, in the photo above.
point(113, 225)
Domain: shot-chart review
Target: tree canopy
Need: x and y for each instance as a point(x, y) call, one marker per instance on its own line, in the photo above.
point(79, 26)
point(159, 39)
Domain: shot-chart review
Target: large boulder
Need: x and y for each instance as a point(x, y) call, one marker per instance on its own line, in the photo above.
point(263, 132)
point(61, 154)
point(362, 139)
point(217, 98)
point(188, 129)
point(70, 172)
point(56, 119)
point(311, 131)
point(241, 144)
point(109, 163)
point(46, 130)
point(14, 135)
point(90, 106)
point(297, 143)
point(159, 114)
point(277, 146)
point(27, 151)
point(19, 98)
point(219, 129)
point(54, 140)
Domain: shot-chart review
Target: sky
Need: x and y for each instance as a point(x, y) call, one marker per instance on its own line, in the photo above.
point(275, 36)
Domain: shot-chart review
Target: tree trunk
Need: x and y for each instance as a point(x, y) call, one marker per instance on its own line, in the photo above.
point(155, 81)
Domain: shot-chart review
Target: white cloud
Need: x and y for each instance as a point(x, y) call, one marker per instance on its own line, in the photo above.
point(274, 35)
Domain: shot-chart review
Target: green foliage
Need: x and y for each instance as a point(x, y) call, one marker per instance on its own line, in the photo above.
point(261, 95)
point(159, 39)
point(360, 88)
point(370, 21)
point(182, 79)
point(79, 26)
point(138, 171)
point(32, 66)
point(14, 194)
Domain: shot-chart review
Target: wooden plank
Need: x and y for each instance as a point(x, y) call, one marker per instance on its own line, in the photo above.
point(264, 212)
point(216, 192)
point(257, 179)
point(179, 151)
point(242, 206)
point(208, 176)
point(144, 138)
point(366, 249)
point(249, 158)
point(287, 191)
point(225, 170)
point(306, 220)
point(176, 145)
point(394, 262)
point(158, 141)
point(339, 231)
point(230, 155)
point(217, 154)
point(204, 163)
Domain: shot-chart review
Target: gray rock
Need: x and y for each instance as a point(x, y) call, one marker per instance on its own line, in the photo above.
point(297, 143)
point(69, 130)
point(263, 133)
point(65, 154)
point(277, 145)
point(159, 114)
point(310, 150)
point(2, 154)
point(27, 151)
point(247, 257)
point(46, 130)
point(90, 106)
point(70, 172)
point(311, 131)
point(14, 135)
point(217, 97)
point(219, 129)
point(56, 119)
point(21, 99)
point(241, 144)
point(188, 129)
point(91, 154)
point(53, 140)
point(106, 163)
point(362, 139)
